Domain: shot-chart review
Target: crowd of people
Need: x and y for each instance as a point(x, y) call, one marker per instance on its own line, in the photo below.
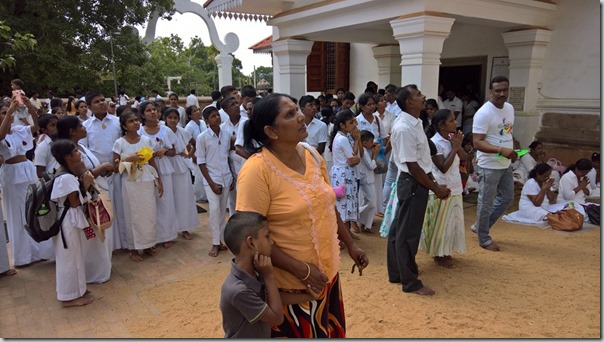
point(301, 179)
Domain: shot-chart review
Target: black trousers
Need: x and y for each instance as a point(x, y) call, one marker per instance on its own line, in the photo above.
point(405, 232)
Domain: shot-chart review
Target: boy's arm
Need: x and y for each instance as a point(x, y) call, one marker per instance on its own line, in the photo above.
point(274, 313)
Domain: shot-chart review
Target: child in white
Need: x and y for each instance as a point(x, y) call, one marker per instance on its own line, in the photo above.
point(212, 152)
point(195, 126)
point(367, 207)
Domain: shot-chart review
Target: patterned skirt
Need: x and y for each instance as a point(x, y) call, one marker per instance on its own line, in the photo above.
point(443, 232)
point(347, 206)
point(390, 211)
point(320, 318)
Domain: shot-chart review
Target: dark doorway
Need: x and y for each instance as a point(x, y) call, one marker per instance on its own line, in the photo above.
point(459, 73)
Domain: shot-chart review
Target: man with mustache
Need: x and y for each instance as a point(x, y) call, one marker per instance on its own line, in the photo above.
point(492, 135)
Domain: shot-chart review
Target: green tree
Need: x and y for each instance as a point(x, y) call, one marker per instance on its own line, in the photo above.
point(263, 72)
point(11, 44)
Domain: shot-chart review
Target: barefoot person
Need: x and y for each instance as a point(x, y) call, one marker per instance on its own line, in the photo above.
point(289, 185)
point(411, 153)
point(492, 135)
point(444, 231)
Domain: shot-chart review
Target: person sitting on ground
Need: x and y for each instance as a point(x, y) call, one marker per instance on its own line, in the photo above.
point(594, 176)
point(248, 310)
point(536, 197)
point(528, 162)
point(574, 187)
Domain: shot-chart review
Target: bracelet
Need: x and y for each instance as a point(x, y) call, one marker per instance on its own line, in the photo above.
point(308, 275)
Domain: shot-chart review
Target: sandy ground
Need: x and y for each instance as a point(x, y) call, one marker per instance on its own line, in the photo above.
point(543, 283)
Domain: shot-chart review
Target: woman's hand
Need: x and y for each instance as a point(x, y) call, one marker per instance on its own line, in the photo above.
point(316, 281)
point(107, 169)
point(547, 184)
point(160, 187)
point(160, 153)
point(359, 257)
point(456, 140)
point(134, 158)
point(354, 160)
point(87, 179)
point(356, 134)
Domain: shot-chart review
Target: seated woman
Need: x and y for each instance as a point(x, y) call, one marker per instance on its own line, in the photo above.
point(594, 176)
point(536, 196)
point(574, 186)
point(528, 162)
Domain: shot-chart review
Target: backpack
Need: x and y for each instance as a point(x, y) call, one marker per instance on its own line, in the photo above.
point(41, 214)
point(593, 213)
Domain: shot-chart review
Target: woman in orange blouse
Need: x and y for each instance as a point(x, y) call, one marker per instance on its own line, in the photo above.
point(287, 181)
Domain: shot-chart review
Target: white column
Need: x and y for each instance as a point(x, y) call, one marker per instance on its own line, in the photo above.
point(526, 51)
point(224, 61)
point(388, 59)
point(421, 41)
point(289, 60)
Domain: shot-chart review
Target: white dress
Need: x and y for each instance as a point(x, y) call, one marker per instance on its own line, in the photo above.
point(97, 258)
point(166, 219)
point(14, 181)
point(4, 262)
point(70, 269)
point(139, 197)
point(184, 199)
point(527, 212)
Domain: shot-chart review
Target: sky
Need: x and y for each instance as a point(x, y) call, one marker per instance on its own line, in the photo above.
point(189, 25)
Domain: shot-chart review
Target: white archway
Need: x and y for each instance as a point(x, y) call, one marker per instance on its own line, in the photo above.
point(231, 41)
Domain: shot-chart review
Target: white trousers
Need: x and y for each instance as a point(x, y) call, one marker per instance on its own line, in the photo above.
point(218, 205)
point(367, 206)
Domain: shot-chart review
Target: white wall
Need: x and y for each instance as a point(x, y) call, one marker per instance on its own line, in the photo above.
point(572, 65)
point(363, 67)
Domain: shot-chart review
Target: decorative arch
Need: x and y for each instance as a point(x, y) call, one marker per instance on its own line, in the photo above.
point(231, 41)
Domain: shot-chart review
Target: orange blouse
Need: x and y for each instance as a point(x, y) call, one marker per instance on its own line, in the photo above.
point(300, 210)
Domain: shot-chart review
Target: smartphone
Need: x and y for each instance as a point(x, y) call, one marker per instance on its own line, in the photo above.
point(17, 95)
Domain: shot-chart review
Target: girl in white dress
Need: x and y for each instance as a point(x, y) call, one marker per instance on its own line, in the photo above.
point(43, 160)
point(16, 174)
point(67, 192)
point(163, 141)
point(574, 186)
point(138, 188)
point(536, 197)
point(184, 200)
point(97, 258)
point(443, 231)
point(345, 157)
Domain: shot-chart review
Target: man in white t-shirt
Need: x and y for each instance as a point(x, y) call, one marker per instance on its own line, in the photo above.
point(411, 153)
point(192, 99)
point(492, 137)
point(455, 105)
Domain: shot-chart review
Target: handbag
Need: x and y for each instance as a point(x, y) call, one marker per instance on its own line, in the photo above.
point(98, 215)
point(567, 220)
point(381, 160)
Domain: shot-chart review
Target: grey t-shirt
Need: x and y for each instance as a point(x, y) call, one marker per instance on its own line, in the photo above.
point(243, 304)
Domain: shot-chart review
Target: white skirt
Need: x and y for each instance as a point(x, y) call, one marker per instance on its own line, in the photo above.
point(119, 230)
point(166, 212)
point(70, 269)
point(139, 209)
point(184, 201)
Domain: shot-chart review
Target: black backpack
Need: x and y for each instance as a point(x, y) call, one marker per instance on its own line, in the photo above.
point(41, 214)
point(593, 212)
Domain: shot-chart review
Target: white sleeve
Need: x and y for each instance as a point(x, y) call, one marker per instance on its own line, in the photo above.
point(63, 186)
point(341, 145)
point(200, 150)
point(322, 133)
point(239, 141)
point(117, 146)
point(42, 154)
point(481, 123)
point(566, 189)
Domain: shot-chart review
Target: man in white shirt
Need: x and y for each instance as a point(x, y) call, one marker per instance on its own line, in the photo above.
point(192, 99)
point(35, 101)
point(227, 91)
point(317, 130)
point(155, 95)
point(455, 105)
point(230, 127)
point(492, 138)
point(411, 153)
point(391, 104)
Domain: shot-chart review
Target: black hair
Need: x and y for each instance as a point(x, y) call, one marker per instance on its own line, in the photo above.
point(215, 95)
point(367, 135)
point(56, 102)
point(403, 94)
point(192, 91)
point(18, 82)
point(248, 91)
point(91, 95)
point(65, 124)
point(364, 99)
point(341, 117)
point(44, 120)
point(167, 112)
point(61, 149)
point(498, 79)
point(55, 109)
point(141, 111)
point(582, 164)
point(77, 105)
point(227, 90)
point(432, 102)
point(207, 111)
point(535, 144)
point(173, 94)
point(138, 97)
point(467, 139)
point(539, 169)
point(122, 110)
point(340, 89)
point(306, 99)
point(381, 91)
point(189, 112)
point(124, 119)
point(391, 88)
point(439, 117)
point(241, 225)
point(372, 85)
point(595, 157)
point(155, 91)
point(264, 114)
point(349, 96)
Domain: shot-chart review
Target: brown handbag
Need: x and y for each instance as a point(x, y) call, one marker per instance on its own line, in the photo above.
point(567, 220)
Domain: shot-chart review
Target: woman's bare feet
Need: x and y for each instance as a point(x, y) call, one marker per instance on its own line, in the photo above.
point(151, 251)
point(8, 273)
point(214, 251)
point(187, 236)
point(424, 291)
point(167, 244)
point(77, 302)
point(445, 261)
point(134, 256)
